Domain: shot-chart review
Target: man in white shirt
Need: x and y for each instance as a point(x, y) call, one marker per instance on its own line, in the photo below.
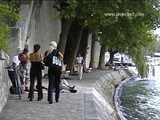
point(79, 59)
point(15, 60)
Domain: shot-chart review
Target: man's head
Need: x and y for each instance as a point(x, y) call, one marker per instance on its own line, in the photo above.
point(18, 50)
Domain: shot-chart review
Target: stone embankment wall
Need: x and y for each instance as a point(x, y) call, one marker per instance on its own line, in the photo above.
point(4, 84)
point(39, 23)
point(103, 92)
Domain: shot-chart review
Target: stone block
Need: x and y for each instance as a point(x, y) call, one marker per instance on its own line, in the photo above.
point(4, 84)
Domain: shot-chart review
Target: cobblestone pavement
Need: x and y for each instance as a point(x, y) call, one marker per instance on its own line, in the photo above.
point(72, 106)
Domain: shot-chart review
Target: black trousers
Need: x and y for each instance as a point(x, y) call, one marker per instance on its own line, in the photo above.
point(13, 77)
point(54, 84)
point(35, 75)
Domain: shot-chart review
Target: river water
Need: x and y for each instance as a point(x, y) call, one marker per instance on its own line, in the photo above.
point(140, 98)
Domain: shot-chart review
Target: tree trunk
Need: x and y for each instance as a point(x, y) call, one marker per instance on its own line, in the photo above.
point(73, 43)
point(101, 64)
point(112, 53)
point(64, 34)
point(111, 57)
point(92, 61)
point(83, 45)
point(84, 42)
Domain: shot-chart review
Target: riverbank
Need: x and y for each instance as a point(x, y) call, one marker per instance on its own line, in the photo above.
point(101, 85)
point(94, 100)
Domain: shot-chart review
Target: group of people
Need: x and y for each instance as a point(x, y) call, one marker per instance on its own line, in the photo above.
point(52, 58)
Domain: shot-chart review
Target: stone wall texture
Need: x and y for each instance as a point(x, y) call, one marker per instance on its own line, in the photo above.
point(103, 92)
point(4, 84)
point(45, 25)
point(38, 24)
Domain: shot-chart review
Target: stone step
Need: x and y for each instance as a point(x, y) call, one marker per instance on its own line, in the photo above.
point(90, 112)
point(93, 110)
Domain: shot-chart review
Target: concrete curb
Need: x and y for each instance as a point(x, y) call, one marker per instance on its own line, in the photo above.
point(104, 90)
point(116, 99)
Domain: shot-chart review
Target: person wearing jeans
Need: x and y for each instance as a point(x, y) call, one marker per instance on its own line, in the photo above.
point(54, 84)
point(53, 59)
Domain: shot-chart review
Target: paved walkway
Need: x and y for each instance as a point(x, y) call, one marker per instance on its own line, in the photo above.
point(72, 106)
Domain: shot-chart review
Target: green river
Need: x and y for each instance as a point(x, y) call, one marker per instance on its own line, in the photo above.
point(140, 98)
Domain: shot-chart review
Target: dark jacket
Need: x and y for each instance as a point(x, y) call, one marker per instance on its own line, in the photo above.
point(52, 64)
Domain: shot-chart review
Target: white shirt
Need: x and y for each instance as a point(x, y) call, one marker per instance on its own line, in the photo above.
point(16, 60)
point(79, 60)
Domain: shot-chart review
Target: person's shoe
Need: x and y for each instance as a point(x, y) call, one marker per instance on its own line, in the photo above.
point(40, 98)
point(50, 102)
point(26, 89)
point(72, 87)
point(56, 100)
point(30, 99)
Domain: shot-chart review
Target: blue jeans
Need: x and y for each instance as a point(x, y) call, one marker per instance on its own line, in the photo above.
point(54, 83)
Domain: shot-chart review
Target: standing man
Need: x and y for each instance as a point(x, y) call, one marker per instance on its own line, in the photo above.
point(53, 59)
point(15, 60)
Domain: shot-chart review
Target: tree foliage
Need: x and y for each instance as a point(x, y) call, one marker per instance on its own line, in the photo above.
point(123, 25)
point(131, 33)
point(8, 16)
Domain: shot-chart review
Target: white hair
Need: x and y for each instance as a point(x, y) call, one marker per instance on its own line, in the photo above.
point(53, 44)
